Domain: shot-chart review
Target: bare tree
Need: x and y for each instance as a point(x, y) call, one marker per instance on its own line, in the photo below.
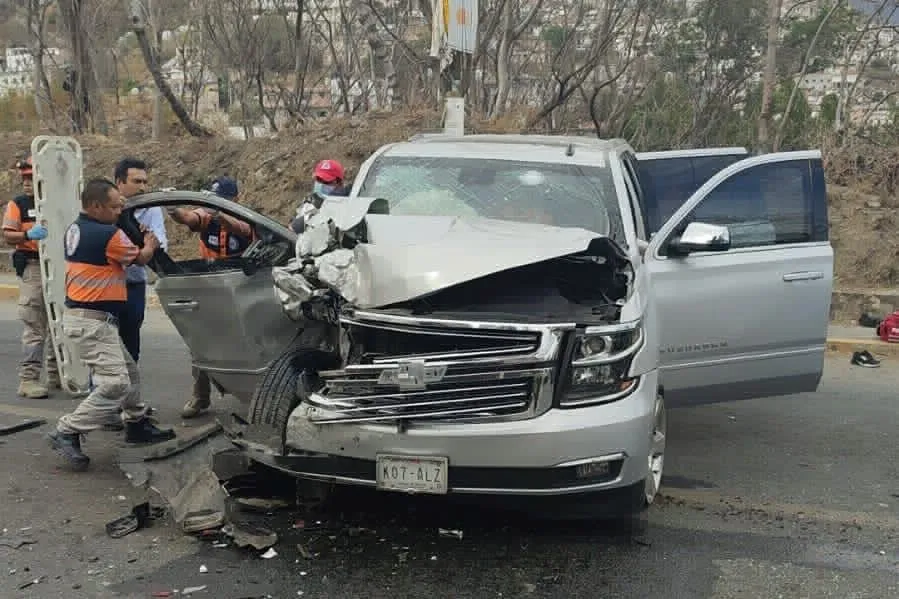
point(806, 61)
point(37, 21)
point(87, 109)
point(591, 38)
point(151, 58)
point(511, 27)
point(253, 46)
point(878, 20)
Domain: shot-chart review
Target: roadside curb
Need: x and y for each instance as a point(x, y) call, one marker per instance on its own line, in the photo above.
point(875, 346)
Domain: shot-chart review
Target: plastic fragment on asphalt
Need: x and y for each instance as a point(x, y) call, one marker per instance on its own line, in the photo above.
point(269, 554)
point(189, 590)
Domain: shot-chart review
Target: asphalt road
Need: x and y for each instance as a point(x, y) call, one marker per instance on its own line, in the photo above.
point(789, 497)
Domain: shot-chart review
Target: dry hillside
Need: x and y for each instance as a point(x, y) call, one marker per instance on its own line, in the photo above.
point(275, 173)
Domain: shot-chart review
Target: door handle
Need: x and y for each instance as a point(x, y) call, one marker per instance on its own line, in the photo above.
point(183, 305)
point(809, 275)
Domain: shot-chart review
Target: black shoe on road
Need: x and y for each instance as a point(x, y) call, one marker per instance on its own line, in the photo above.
point(864, 359)
point(143, 431)
point(69, 446)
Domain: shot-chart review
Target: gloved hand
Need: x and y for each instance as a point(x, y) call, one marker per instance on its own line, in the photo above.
point(36, 232)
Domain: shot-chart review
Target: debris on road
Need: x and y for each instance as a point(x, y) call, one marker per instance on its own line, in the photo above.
point(190, 590)
point(203, 569)
point(37, 580)
point(141, 516)
point(448, 532)
point(22, 426)
point(304, 552)
point(15, 542)
point(246, 534)
point(269, 554)
point(257, 492)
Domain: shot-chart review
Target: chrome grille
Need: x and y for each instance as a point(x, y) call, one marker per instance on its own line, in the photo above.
point(438, 370)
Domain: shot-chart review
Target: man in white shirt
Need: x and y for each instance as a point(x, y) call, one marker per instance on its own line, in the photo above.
point(131, 179)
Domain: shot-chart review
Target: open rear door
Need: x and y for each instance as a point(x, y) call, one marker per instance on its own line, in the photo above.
point(226, 311)
point(749, 319)
point(669, 178)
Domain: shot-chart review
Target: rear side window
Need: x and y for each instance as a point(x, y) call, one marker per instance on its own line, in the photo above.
point(669, 182)
point(768, 204)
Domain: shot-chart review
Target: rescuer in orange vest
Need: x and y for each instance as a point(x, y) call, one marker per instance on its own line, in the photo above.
point(97, 253)
point(221, 237)
point(21, 229)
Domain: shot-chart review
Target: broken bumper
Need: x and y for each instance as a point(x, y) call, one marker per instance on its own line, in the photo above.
point(557, 453)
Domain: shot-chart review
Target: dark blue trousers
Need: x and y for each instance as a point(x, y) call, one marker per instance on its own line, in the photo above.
point(132, 318)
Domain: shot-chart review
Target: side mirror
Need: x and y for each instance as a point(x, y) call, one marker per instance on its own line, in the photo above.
point(700, 237)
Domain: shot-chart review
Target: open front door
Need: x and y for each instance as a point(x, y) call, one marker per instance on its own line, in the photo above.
point(745, 318)
point(226, 311)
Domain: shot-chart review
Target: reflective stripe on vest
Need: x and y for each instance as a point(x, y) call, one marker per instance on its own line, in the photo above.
point(216, 242)
point(95, 275)
point(20, 215)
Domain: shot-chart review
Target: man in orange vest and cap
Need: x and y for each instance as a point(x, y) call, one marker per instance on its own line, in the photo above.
point(21, 230)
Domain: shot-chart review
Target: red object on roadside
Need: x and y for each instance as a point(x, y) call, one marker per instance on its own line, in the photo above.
point(888, 330)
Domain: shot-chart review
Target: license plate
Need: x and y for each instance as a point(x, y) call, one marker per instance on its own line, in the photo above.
point(412, 474)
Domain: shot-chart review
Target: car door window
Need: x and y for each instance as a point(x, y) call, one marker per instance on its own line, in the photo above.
point(669, 182)
point(765, 205)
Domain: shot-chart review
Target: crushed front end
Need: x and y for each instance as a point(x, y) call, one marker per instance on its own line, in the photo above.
point(518, 382)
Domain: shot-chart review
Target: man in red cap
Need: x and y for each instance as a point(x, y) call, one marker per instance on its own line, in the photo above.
point(328, 181)
point(21, 229)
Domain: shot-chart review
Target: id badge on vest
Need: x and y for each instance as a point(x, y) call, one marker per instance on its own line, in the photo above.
point(32, 213)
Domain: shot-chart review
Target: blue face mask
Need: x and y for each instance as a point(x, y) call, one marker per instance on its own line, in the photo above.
point(323, 188)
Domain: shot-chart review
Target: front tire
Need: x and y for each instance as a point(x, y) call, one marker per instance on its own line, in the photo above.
point(656, 457)
point(282, 386)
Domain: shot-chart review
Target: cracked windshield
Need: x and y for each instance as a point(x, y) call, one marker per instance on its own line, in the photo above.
point(563, 195)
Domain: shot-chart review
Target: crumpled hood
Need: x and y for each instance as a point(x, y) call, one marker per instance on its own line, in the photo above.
point(413, 256)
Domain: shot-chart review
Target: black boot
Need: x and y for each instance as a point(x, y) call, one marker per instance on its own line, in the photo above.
point(68, 445)
point(144, 431)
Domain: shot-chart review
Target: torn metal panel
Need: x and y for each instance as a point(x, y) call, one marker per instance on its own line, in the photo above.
point(180, 473)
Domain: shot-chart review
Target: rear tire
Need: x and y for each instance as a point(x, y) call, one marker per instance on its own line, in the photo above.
point(280, 390)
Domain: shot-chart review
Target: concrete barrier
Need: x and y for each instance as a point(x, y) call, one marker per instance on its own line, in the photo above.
point(875, 346)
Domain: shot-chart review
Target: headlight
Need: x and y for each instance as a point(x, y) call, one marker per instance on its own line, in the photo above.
point(600, 362)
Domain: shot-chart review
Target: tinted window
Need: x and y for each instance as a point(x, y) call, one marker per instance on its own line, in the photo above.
point(563, 195)
point(669, 182)
point(767, 204)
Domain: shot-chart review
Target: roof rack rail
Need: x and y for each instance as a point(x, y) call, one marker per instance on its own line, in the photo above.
point(521, 138)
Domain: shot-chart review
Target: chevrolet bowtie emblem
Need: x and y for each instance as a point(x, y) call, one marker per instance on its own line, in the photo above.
point(412, 374)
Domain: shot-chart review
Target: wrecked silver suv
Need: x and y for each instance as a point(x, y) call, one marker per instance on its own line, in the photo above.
point(512, 314)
